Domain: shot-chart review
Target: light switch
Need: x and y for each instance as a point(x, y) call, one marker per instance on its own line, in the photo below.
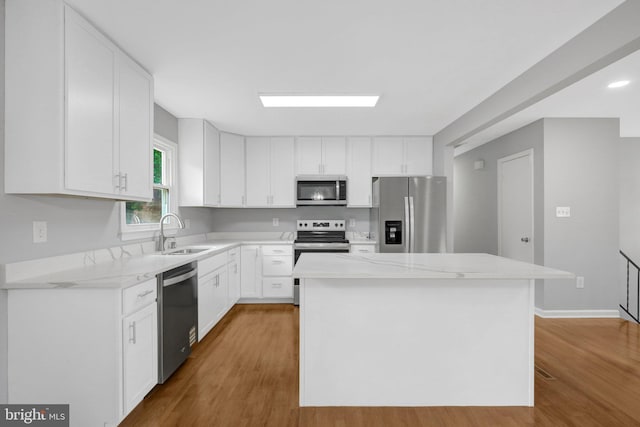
point(563, 211)
point(276, 222)
point(580, 282)
point(39, 231)
point(352, 223)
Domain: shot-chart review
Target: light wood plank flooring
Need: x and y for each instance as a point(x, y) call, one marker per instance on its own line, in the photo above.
point(245, 373)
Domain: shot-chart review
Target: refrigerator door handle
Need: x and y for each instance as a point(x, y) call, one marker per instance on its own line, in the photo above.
point(412, 225)
point(407, 225)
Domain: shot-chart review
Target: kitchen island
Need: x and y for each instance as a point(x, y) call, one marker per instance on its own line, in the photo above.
point(417, 329)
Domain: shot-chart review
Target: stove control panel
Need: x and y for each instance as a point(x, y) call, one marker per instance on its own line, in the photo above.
point(320, 225)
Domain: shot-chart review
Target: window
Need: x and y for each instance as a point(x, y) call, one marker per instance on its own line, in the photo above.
point(140, 219)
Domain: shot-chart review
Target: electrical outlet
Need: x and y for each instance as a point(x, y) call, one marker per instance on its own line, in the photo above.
point(39, 231)
point(352, 223)
point(563, 211)
point(276, 222)
point(580, 282)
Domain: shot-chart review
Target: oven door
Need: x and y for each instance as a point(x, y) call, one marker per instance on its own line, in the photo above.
point(299, 251)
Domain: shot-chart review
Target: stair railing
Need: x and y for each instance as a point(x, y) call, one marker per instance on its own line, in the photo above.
point(626, 309)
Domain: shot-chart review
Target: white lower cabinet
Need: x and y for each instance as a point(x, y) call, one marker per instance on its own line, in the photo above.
point(140, 354)
point(233, 268)
point(95, 349)
point(266, 272)
point(364, 248)
point(213, 292)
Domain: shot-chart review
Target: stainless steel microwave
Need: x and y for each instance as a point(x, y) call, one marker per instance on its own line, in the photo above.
point(321, 190)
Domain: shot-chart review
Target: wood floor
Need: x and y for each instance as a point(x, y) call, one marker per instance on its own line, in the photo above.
point(245, 373)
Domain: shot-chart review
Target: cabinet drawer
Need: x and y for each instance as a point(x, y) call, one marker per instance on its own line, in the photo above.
point(277, 250)
point(207, 265)
point(138, 296)
point(277, 287)
point(277, 265)
point(362, 249)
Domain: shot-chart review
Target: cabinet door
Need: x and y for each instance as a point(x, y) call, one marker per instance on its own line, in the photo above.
point(418, 155)
point(89, 145)
point(250, 272)
point(140, 354)
point(388, 156)
point(206, 305)
point(257, 166)
point(231, 170)
point(309, 155)
point(359, 172)
point(135, 99)
point(282, 172)
point(234, 283)
point(220, 293)
point(334, 155)
point(211, 165)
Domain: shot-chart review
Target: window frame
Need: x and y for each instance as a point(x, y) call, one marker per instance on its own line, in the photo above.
point(142, 231)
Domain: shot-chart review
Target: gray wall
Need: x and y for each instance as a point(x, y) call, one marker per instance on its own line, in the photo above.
point(629, 218)
point(581, 171)
point(476, 194)
point(234, 220)
point(575, 164)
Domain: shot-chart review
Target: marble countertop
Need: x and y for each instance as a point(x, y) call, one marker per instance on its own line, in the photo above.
point(419, 266)
point(129, 271)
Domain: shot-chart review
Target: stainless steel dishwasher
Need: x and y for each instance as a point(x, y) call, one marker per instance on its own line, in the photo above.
point(177, 317)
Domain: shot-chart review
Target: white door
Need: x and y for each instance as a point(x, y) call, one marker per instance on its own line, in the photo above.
point(515, 206)
point(334, 154)
point(220, 293)
point(359, 172)
point(258, 188)
point(309, 155)
point(211, 165)
point(282, 172)
point(206, 304)
point(388, 156)
point(231, 170)
point(90, 81)
point(135, 99)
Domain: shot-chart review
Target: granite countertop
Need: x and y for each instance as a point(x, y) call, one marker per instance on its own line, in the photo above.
point(129, 271)
point(419, 266)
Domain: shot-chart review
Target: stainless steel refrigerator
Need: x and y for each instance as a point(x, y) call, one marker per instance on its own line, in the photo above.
point(409, 214)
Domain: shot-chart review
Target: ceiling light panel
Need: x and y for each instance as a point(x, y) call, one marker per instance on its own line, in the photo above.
point(319, 101)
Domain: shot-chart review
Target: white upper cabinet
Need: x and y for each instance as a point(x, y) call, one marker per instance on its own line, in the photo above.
point(418, 153)
point(232, 173)
point(258, 185)
point(79, 102)
point(359, 172)
point(282, 175)
point(199, 163)
point(270, 177)
point(321, 155)
point(402, 156)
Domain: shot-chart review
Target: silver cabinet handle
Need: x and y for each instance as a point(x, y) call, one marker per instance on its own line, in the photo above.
point(277, 261)
point(267, 199)
point(235, 270)
point(124, 178)
point(278, 251)
point(116, 181)
point(412, 224)
point(276, 285)
point(363, 250)
point(132, 332)
point(242, 200)
point(144, 294)
point(407, 228)
point(217, 281)
point(524, 239)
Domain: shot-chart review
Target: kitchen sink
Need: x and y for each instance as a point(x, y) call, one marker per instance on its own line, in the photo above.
point(186, 251)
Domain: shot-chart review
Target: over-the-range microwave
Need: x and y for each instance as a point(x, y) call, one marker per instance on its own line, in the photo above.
point(321, 190)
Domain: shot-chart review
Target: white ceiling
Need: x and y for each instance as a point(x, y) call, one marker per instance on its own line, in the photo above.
point(589, 97)
point(430, 60)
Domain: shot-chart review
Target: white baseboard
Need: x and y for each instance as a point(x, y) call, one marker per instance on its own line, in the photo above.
point(576, 314)
point(265, 301)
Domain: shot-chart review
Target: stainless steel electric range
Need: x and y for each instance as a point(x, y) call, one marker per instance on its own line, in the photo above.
point(318, 235)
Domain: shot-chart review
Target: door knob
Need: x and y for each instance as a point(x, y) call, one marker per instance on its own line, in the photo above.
point(524, 239)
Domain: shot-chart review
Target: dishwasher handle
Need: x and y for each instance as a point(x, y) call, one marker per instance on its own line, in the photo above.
point(178, 279)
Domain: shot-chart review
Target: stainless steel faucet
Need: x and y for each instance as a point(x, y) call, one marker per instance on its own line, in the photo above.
point(162, 238)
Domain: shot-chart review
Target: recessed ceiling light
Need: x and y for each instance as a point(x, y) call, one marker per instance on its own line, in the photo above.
point(619, 83)
point(319, 100)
